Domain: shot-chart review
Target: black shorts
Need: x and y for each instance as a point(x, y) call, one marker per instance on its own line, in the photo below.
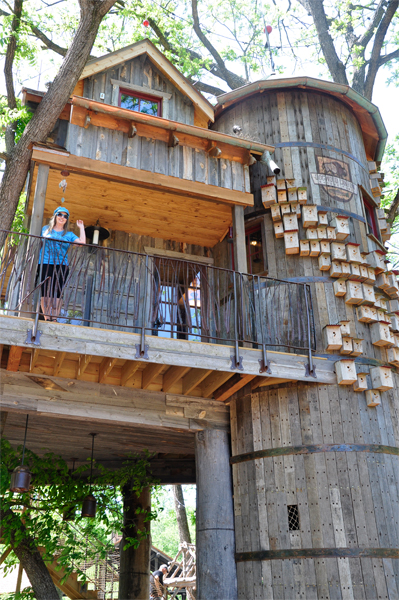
point(52, 280)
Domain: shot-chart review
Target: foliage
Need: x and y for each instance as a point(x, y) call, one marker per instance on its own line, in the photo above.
point(19, 218)
point(164, 531)
point(20, 115)
point(390, 167)
point(56, 489)
point(25, 594)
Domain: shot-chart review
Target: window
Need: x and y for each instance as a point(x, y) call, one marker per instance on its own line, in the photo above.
point(254, 245)
point(293, 517)
point(140, 103)
point(371, 218)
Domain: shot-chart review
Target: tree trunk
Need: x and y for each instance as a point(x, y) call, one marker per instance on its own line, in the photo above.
point(134, 571)
point(31, 560)
point(181, 514)
point(49, 109)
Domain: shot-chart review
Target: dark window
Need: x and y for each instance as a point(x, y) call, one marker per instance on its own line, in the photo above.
point(371, 218)
point(293, 517)
point(140, 103)
point(254, 244)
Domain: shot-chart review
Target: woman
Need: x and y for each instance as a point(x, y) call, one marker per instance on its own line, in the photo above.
point(54, 260)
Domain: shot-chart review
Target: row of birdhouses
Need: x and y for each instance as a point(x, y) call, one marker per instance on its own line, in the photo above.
point(376, 185)
point(338, 337)
point(371, 380)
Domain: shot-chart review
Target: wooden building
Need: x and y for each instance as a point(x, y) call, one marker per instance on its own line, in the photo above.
point(228, 300)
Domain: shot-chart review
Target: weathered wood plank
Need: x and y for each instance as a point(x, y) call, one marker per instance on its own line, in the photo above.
point(14, 358)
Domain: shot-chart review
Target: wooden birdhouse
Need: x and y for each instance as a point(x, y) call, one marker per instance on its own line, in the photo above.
point(309, 216)
point(393, 305)
point(311, 233)
point(282, 195)
point(289, 183)
point(381, 315)
point(346, 269)
point(325, 247)
point(339, 287)
point(304, 248)
point(280, 184)
point(373, 314)
point(364, 314)
point(393, 356)
point(278, 229)
point(296, 208)
point(302, 195)
point(314, 246)
point(324, 262)
point(291, 241)
point(381, 378)
point(290, 222)
point(292, 194)
point(364, 274)
point(271, 179)
point(269, 194)
point(285, 208)
point(368, 293)
point(322, 232)
point(354, 293)
point(355, 271)
point(353, 253)
point(357, 347)
point(361, 385)
point(376, 261)
point(347, 345)
point(346, 372)
point(380, 302)
point(341, 224)
point(373, 398)
point(338, 251)
point(332, 337)
point(275, 212)
point(345, 327)
point(394, 322)
point(381, 335)
point(393, 286)
point(335, 269)
point(323, 218)
point(371, 274)
point(382, 281)
point(331, 235)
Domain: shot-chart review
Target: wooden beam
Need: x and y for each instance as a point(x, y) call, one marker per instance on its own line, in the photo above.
point(5, 554)
point(33, 359)
point(128, 370)
point(59, 359)
point(240, 251)
point(14, 358)
point(83, 363)
point(231, 386)
point(36, 222)
point(105, 368)
point(193, 379)
point(150, 373)
point(172, 376)
point(263, 381)
point(213, 381)
point(19, 579)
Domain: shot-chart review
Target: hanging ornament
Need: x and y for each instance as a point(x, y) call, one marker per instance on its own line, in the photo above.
point(146, 23)
point(65, 173)
point(63, 185)
point(21, 476)
point(269, 29)
point(62, 199)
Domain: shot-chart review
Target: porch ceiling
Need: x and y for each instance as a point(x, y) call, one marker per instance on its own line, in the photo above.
point(144, 207)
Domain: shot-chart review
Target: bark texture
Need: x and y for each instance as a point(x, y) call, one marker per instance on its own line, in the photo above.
point(181, 514)
point(30, 558)
point(46, 115)
point(8, 63)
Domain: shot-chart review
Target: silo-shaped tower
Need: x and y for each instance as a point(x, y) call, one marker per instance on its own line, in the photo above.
point(316, 467)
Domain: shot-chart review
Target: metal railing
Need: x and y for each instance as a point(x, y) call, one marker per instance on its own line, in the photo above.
point(153, 295)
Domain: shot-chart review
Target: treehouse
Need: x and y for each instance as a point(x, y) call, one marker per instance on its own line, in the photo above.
point(219, 294)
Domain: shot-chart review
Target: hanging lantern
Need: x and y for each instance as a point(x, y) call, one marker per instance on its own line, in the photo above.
point(96, 233)
point(21, 476)
point(146, 22)
point(89, 505)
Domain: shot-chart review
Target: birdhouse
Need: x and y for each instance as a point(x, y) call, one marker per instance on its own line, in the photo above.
point(275, 212)
point(357, 347)
point(371, 274)
point(380, 302)
point(346, 269)
point(339, 287)
point(341, 224)
point(383, 225)
point(290, 222)
point(382, 281)
point(353, 253)
point(269, 194)
point(393, 286)
point(345, 327)
point(381, 315)
point(331, 235)
point(322, 232)
point(394, 322)
point(304, 248)
point(291, 241)
point(296, 208)
point(271, 179)
point(393, 356)
point(347, 345)
point(325, 247)
point(368, 293)
point(355, 271)
point(354, 293)
point(311, 233)
point(285, 208)
point(314, 246)
point(289, 183)
point(376, 261)
point(346, 372)
point(323, 219)
point(278, 229)
point(373, 398)
point(338, 251)
point(393, 305)
point(324, 262)
point(335, 269)
point(282, 195)
point(381, 335)
point(332, 337)
point(396, 340)
point(302, 195)
point(381, 378)
point(309, 216)
point(364, 314)
point(361, 385)
point(280, 184)
point(364, 274)
point(292, 194)
point(373, 314)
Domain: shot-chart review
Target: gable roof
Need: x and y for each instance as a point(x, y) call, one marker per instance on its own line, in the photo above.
point(96, 65)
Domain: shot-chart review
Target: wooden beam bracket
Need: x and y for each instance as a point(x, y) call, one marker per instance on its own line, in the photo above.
point(173, 140)
point(132, 131)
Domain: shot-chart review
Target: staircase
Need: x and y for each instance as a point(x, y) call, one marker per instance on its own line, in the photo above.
point(72, 587)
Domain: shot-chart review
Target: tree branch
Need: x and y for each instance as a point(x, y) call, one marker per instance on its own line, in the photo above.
point(393, 209)
point(368, 34)
point(388, 57)
point(8, 74)
point(208, 89)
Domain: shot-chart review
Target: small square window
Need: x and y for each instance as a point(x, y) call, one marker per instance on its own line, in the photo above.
point(293, 517)
point(148, 105)
point(371, 218)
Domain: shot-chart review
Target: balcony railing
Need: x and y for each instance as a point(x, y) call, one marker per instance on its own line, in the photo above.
point(151, 295)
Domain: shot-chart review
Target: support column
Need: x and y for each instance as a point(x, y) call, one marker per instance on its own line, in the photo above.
point(134, 573)
point(216, 568)
point(36, 223)
point(240, 252)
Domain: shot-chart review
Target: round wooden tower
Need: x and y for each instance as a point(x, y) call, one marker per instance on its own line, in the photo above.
point(316, 467)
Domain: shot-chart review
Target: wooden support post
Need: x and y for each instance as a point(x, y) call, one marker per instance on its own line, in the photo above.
point(14, 358)
point(83, 363)
point(5, 554)
point(19, 579)
point(105, 368)
point(128, 370)
point(39, 200)
point(216, 568)
point(240, 253)
point(134, 571)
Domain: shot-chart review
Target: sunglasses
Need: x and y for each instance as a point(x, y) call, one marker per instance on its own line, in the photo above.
point(63, 215)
